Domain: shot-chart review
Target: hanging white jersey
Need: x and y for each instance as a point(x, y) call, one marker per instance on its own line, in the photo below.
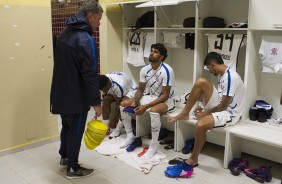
point(227, 45)
point(171, 39)
point(135, 54)
point(155, 79)
point(231, 84)
point(148, 43)
point(271, 54)
point(121, 84)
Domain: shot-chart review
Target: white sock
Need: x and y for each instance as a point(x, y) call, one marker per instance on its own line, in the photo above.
point(155, 130)
point(129, 139)
point(126, 120)
point(117, 130)
point(155, 126)
point(119, 125)
point(153, 149)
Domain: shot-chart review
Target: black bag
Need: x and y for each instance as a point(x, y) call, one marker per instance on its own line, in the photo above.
point(146, 20)
point(213, 22)
point(189, 22)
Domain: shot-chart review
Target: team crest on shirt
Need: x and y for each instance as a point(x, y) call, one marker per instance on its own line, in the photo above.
point(274, 51)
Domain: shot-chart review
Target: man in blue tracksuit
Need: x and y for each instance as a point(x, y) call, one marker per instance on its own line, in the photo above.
point(75, 84)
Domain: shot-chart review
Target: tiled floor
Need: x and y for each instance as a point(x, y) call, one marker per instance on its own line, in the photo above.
point(40, 165)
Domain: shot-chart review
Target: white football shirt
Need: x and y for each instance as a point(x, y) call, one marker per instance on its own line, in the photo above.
point(121, 84)
point(231, 84)
point(155, 79)
point(271, 54)
point(227, 45)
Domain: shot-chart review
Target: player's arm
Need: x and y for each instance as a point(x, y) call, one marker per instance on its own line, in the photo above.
point(139, 94)
point(226, 100)
point(162, 99)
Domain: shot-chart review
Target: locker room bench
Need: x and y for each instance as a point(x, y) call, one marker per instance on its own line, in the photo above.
point(252, 138)
point(255, 138)
point(183, 129)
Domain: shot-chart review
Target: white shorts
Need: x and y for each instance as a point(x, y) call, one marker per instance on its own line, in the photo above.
point(131, 93)
point(223, 118)
point(149, 98)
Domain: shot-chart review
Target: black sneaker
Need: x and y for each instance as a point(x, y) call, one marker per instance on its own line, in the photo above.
point(253, 113)
point(80, 173)
point(64, 162)
point(262, 116)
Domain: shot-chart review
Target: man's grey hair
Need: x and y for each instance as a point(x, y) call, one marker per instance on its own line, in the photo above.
point(91, 6)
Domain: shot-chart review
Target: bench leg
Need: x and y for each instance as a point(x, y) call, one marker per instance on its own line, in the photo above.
point(183, 131)
point(233, 148)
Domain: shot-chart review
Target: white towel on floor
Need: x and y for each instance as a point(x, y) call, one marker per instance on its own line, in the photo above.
point(111, 147)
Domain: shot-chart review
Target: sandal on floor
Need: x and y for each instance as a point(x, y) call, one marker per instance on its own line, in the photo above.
point(176, 161)
point(168, 147)
point(163, 142)
point(175, 166)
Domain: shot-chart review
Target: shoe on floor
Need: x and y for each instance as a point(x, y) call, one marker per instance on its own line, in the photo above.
point(189, 145)
point(266, 170)
point(80, 173)
point(163, 142)
point(169, 146)
point(181, 170)
point(179, 173)
point(64, 162)
point(234, 162)
point(175, 166)
point(236, 170)
point(175, 161)
point(255, 174)
point(163, 134)
point(135, 144)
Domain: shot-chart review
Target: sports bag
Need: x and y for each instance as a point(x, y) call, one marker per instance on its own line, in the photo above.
point(213, 22)
point(146, 20)
point(189, 22)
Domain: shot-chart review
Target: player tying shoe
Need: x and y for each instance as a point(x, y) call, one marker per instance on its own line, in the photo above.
point(116, 86)
point(223, 107)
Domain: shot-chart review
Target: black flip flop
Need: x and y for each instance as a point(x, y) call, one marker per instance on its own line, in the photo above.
point(168, 147)
point(176, 161)
point(163, 142)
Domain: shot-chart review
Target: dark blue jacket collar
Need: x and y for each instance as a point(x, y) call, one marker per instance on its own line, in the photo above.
point(79, 21)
